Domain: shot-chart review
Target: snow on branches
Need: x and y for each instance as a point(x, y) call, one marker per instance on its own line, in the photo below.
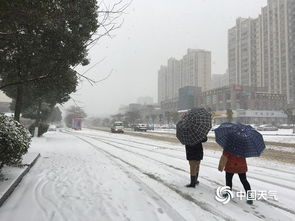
point(14, 141)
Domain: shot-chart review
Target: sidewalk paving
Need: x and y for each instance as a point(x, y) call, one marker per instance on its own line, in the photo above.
point(12, 176)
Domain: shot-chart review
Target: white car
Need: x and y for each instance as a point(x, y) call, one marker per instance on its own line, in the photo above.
point(214, 127)
point(117, 127)
point(52, 128)
point(267, 127)
point(140, 127)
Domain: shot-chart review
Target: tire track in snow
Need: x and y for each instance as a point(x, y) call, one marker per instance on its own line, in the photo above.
point(206, 164)
point(203, 205)
point(175, 188)
point(161, 147)
point(170, 211)
point(179, 169)
point(173, 149)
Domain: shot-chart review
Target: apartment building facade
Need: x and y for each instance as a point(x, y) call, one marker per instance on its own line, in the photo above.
point(261, 50)
point(244, 53)
point(194, 69)
point(291, 45)
point(219, 80)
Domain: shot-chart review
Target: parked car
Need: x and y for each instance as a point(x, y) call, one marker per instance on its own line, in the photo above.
point(150, 127)
point(286, 126)
point(52, 128)
point(255, 126)
point(267, 127)
point(214, 127)
point(117, 127)
point(140, 127)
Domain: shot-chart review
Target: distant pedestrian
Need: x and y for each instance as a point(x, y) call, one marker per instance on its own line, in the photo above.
point(194, 154)
point(232, 164)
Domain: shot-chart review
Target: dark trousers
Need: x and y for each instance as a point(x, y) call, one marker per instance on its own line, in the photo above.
point(243, 179)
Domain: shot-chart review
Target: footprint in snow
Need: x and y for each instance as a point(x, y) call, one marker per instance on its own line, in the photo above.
point(160, 210)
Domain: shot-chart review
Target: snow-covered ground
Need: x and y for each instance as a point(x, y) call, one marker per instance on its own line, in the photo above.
point(95, 175)
point(10, 176)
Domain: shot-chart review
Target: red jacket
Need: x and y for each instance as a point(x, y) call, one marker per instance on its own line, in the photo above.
point(235, 164)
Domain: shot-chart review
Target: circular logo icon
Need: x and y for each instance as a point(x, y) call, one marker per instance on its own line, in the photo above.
point(223, 194)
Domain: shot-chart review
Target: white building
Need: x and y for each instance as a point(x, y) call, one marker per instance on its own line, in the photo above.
point(261, 51)
point(145, 100)
point(291, 46)
point(219, 80)
point(244, 53)
point(162, 84)
point(194, 69)
point(275, 47)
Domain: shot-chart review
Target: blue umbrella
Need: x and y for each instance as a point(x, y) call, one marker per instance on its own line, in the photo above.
point(239, 139)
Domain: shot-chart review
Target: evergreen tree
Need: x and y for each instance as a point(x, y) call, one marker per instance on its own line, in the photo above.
point(55, 115)
point(39, 39)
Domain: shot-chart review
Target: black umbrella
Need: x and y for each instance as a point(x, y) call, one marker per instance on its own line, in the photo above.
point(194, 126)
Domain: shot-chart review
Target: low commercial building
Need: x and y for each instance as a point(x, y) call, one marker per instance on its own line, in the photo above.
point(170, 105)
point(250, 105)
point(237, 97)
point(256, 117)
point(188, 97)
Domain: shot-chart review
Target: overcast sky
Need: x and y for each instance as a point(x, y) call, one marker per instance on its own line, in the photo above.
point(152, 32)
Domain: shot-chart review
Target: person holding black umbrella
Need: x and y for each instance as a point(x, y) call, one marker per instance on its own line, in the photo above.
point(194, 155)
point(192, 131)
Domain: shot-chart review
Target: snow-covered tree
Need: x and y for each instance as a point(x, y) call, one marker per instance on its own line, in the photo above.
point(14, 141)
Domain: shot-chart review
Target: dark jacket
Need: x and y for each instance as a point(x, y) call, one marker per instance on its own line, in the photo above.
point(195, 152)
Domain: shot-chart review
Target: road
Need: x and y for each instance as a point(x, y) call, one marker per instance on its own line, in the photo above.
point(96, 175)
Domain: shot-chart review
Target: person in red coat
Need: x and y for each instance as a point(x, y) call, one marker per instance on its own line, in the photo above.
point(232, 164)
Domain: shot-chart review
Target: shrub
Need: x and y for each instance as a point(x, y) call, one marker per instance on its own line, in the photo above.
point(14, 141)
point(43, 127)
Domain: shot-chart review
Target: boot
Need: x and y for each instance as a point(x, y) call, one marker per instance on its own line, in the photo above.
point(197, 181)
point(249, 201)
point(193, 182)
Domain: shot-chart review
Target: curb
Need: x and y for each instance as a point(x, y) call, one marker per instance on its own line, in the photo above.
point(17, 180)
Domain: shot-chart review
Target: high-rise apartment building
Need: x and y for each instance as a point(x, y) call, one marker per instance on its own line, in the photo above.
point(194, 69)
point(261, 50)
point(291, 47)
point(162, 84)
point(219, 80)
point(145, 100)
point(243, 52)
point(275, 46)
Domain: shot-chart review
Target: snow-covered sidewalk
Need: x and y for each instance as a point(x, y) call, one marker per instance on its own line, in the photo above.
point(12, 176)
point(94, 175)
